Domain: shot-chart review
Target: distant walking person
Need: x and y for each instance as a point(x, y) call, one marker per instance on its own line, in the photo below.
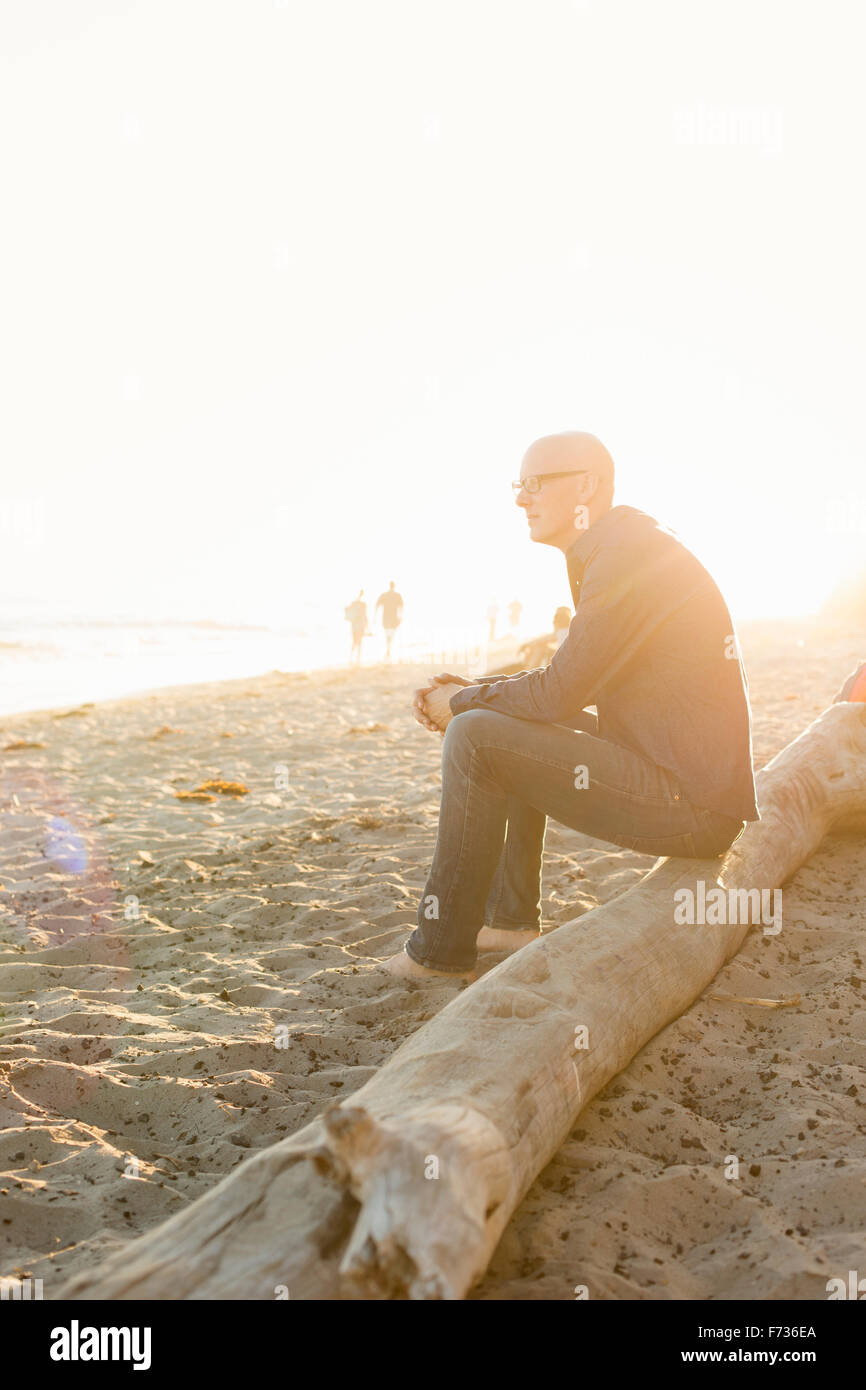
point(356, 613)
point(492, 615)
point(515, 608)
point(391, 604)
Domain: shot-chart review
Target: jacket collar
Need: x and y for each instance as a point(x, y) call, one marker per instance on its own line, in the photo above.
point(579, 551)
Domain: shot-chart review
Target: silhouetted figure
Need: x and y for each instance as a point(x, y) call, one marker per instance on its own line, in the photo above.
point(515, 608)
point(492, 615)
point(357, 616)
point(391, 604)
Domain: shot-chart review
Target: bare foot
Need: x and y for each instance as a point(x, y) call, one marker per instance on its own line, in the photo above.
point(497, 939)
point(405, 968)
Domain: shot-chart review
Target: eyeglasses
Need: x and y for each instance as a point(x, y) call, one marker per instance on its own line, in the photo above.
point(534, 481)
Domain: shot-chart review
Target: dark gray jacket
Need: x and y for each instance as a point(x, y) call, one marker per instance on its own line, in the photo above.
point(653, 647)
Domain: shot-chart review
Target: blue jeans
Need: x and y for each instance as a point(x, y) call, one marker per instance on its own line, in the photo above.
point(501, 778)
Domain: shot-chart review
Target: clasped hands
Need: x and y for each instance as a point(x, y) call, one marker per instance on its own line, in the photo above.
point(431, 706)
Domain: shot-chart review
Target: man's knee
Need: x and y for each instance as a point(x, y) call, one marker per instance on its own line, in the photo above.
point(465, 727)
point(469, 730)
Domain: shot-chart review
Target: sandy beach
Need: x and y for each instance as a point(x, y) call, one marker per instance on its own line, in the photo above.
point(187, 976)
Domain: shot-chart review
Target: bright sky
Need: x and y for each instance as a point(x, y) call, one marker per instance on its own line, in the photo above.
point(288, 287)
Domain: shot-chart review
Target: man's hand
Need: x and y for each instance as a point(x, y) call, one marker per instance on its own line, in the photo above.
point(437, 705)
point(430, 706)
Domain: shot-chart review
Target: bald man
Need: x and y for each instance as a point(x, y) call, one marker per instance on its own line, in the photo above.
point(664, 764)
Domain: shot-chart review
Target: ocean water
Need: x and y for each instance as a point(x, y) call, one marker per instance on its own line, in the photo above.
point(47, 664)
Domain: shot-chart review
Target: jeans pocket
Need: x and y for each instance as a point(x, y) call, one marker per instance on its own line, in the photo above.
point(684, 845)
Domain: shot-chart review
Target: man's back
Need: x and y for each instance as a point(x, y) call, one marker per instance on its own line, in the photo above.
point(689, 662)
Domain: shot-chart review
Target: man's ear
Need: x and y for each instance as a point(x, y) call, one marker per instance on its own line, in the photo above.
point(587, 486)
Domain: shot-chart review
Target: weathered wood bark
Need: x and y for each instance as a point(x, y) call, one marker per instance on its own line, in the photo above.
point(486, 1092)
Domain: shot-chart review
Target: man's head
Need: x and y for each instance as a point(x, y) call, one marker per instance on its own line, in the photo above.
point(576, 486)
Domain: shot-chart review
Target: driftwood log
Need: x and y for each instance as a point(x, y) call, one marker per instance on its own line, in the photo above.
point(405, 1189)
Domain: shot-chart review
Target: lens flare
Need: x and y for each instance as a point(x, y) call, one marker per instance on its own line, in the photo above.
point(65, 847)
